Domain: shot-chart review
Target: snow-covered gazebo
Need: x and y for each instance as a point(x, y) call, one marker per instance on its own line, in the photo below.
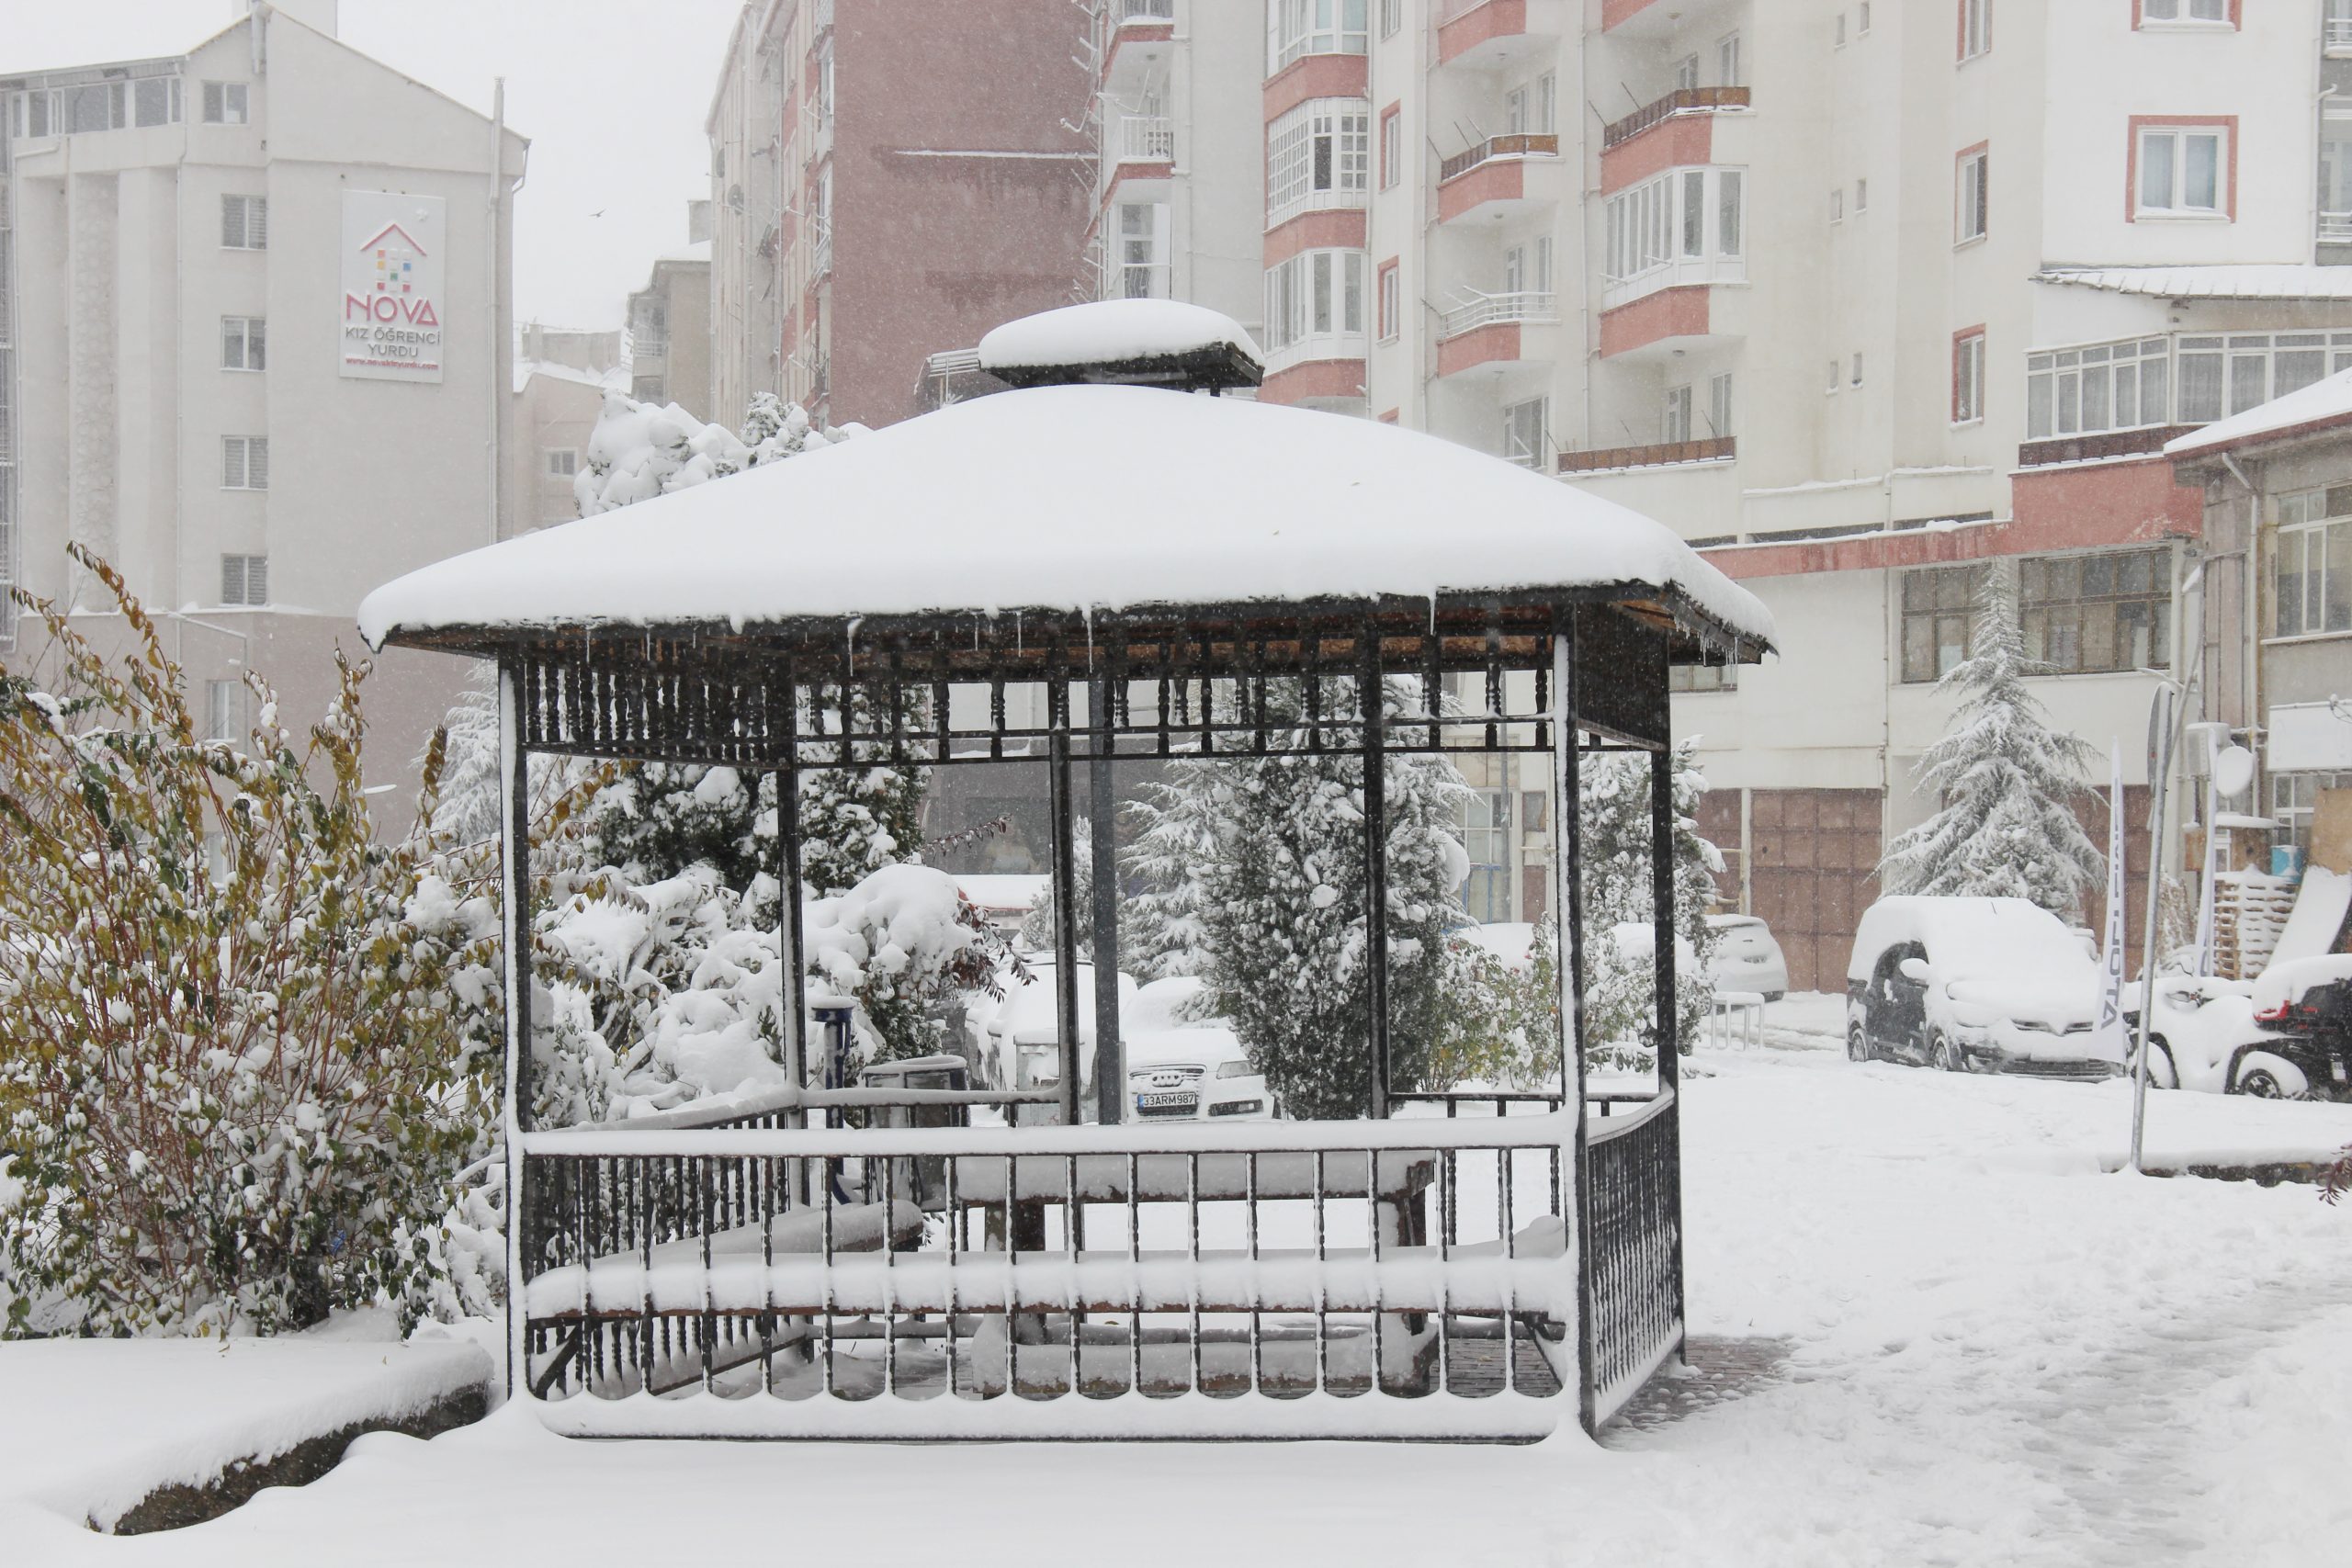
point(1141, 563)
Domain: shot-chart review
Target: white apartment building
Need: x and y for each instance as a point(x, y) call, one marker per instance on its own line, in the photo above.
point(1854, 296)
point(256, 350)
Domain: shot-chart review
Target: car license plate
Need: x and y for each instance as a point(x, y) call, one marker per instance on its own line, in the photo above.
point(1177, 1101)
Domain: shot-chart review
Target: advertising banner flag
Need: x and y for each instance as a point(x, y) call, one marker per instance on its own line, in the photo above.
point(2111, 1041)
point(393, 304)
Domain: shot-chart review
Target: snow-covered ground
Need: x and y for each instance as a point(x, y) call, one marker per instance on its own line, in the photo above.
point(1998, 1354)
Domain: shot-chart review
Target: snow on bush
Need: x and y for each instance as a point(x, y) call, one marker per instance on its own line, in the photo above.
point(638, 451)
point(2007, 782)
point(906, 943)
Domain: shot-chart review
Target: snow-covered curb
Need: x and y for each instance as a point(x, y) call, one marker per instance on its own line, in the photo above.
point(91, 1427)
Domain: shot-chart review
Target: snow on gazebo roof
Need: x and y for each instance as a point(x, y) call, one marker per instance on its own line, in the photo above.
point(2324, 405)
point(1124, 341)
point(1076, 501)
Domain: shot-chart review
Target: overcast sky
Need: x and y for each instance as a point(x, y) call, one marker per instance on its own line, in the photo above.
point(612, 94)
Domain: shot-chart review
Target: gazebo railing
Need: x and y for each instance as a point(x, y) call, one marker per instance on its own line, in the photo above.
point(900, 1281)
point(1632, 1184)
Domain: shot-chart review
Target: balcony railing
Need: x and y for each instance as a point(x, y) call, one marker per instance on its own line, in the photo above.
point(1715, 449)
point(1493, 310)
point(1682, 100)
point(2143, 442)
point(2339, 32)
point(1122, 12)
point(2335, 228)
point(1146, 139)
point(1521, 144)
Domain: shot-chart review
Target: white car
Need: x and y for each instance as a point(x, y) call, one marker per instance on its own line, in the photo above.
point(1177, 1069)
point(1746, 957)
point(1996, 985)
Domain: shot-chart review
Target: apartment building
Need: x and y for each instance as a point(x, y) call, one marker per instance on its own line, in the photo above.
point(889, 177)
point(256, 350)
point(1857, 297)
point(669, 328)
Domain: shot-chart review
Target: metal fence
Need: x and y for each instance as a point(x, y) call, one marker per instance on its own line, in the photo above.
point(1633, 1194)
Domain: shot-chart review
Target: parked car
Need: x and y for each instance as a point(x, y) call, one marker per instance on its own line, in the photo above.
point(1746, 957)
point(1996, 985)
point(2203, 1036)
point(2308, 1003)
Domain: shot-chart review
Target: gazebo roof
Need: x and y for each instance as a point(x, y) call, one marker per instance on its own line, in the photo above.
point(1068, 502)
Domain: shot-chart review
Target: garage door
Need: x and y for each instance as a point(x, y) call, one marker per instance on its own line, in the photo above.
point(1813, 853)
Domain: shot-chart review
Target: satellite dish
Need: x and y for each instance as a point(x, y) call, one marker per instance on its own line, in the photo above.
point(2232, 772)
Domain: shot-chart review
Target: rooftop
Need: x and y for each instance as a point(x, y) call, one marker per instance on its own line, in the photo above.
point(2248, 281)
point(2324, 403)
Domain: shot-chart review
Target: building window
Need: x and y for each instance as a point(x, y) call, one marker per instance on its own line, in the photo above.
point(1665, 220)
point(1858, 369)
point(1686, 73)
point(1975, 28)
point(2336, 165)
point(1527, 268)
point(1295, 29)
point(1973, 200)
point(1526, 432)
point(2082, 391)
point(244, 343)
point(244, 462)
point(563, 462)
point(244, 579)
point(2223, 375)
point(155, 100)
point(2339, 24)
point(1862, 18)
point(1938, 608)
point(1719, 404)
point(1392, 147)
point(1703, 677)
point(2089, 615)
point(1535, 106)
point(1837, 204)
point(2184, 171)
point(224, 700)
point(2185, 11)
point(1392, 16)
point(1838, 31)
point(2294, 801)
point(825, 86)
point(1727, 61)
point(225, 103)
point(1861, 196)
point(1143, 251)
point(1674, 421)
point(1314, 293)
point(1319, 155)
point(1833, 376)
point(1392, 302)
point(1968, 377)
point(245, 222)
point(2311, 577)
point(1485, 840)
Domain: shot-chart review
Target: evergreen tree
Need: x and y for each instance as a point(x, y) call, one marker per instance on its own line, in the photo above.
point(1160, 932)
point(2007, 782)
point(1619, 978)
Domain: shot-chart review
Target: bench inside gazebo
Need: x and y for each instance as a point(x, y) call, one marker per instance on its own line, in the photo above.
point(1091, 570)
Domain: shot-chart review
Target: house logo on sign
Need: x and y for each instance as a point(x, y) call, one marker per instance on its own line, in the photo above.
point(395, 257)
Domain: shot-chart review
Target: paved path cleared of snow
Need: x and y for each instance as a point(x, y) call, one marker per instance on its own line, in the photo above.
point(1998, 1354)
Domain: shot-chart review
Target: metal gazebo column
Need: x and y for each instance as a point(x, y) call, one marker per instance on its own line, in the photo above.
point(514, 848)
point(1110, 1055)
point(1065, 879)
point(1373, 708)
point(1567, 848)
point(790, 939)
point(1669, 1044)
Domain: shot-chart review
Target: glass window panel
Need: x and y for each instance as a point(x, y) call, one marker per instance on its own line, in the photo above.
point(1728, 184)
point(1951, 642)
point(1322, 268)
point(2127, 395)
point(2153, 409)
point(1694, 213)
point(2098, 411)
point(2249, 381)
point(2337, 598)
point(2292, 370)
point(2203, 173)
point(2156, 170)
point(2200, 389)
point(2286, 591)
point(2135, 572)
point(2338, 502)
point(2098, 576)
point(2065, 581)
point(2070, 402)
point(2097, 649)
point(2039, 410)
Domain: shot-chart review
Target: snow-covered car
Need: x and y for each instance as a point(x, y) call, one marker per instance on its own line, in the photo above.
point(1748, 957)
point(1996, 985)
point(2203, 1036)
point(1183, 1067)
point(2307, 1002)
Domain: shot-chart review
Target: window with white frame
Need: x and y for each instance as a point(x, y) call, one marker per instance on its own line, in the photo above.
point(2335, 168)
point(2184, 10)
point(825, 86)
point(1686, 73)
point(1839, 30)
point(2098, 387)
point(1968, 378)
point(1975, 28)
point(2339, 24)
point(1858, 368)
point(244, 343)
point(1143, 251)
point(1392, 303)
point(2312, 563)
point(1667, 219)
point(1296, 28)
point(225, 704)
point(1392, 16)
point(2100, 614)
point(244, 462)
point(2221, 375)
point(1526, 432)
point(1391, 148)
point(1973, 198)
point(1862, 17)
point(2294, 801)
point(1485, 821)
point(1835, 380)
point(245, 222)
point(2184, 171)
point(1837, 204)
point(1728, 60)
point(1314, 293)
point(1861, 196)
point(563, 462)
point(244, 579)
point(155, 100)
point(1534, 106)
point(1318, 155)
point(225, 103)
point(1527, 266)
point(1674, 419)
point(1719, 405)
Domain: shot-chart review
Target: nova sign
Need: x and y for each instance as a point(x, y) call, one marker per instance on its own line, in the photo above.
point(392, 297)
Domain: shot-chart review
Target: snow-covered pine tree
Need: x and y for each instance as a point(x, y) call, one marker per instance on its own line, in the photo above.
point(1037, 932)
point(1160, 934)
point(1619, 982)
point(1281, 902)
point(2007, 781)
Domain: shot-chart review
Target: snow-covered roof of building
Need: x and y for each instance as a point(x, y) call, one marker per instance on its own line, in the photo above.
point(697, 251)
point(614, 380)
point(2324, 403)
point(1112, 331)
point(2245, 281)
point(1072, 500)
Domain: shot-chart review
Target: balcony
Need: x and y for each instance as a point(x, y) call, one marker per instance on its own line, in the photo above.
point(1491, 180)
point(1658, 455)
point(1682, 100)
point(2338, 38)
point(1495, 309)
point(1494, 333)
point(1146, 139)
point(2145, 442)
point(1485, 35)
